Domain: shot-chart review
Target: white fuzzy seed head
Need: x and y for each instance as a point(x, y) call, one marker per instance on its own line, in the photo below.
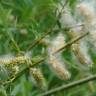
point(5, 59)
point(38, 78)
point(81, 54)
point(87, 10)
point(10, 59)
point(58, 68)
point(55, 63)
point(67, 19)
point(57, 43)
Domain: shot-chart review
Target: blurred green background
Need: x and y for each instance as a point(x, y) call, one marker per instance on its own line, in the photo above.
point(21, 23)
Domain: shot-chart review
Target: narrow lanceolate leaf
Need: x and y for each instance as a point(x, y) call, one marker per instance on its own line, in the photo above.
point(2, 92)
point(38, 78)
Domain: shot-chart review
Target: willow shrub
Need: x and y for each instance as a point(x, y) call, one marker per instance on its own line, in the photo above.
point(32, 32)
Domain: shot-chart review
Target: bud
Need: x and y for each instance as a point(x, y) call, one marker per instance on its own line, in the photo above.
point(24, 32)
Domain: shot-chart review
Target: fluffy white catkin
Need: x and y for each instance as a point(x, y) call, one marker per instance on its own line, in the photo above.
point(55, 63)
point(59, 68)
point(87, 10)
point(78, 50)
point(67, 19)
point(10, 63)
point(57, 43)
point(38, 78)
point(10, 59)
point(5, 59)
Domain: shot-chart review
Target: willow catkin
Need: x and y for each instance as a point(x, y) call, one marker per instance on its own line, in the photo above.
point(12, 60)
point(55, 63)
point(87, 10)
point(38, 78)
point(58, 68)
point(81, 55)
point(11, 63)
point(57, 43)
point(77, 49)
point(68, 20)
point(8, 70)
point(5, 59)
point(80, 51)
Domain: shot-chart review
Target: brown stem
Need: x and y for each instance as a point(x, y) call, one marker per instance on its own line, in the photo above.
point(70, 85)
point(71, 42)
point(38, 40)
point(67, 45)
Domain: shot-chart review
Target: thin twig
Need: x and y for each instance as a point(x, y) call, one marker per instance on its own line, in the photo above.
point(36, 42)
point(70, 85)
point(63, 6)
point(51, 30)
point(14, 42)
point(71, 42)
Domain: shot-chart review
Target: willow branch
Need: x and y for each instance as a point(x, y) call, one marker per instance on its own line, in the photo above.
point(43, 59)
point(70, 85)
point(71, 42)
point(63, 6)
point(50, 31)
point(12, 79)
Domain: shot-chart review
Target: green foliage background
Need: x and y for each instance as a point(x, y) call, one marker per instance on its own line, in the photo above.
point(21, 23)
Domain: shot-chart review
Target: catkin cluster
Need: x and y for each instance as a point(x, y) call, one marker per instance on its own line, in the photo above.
point(80, 48)
point(55, 62)
point(11, 63)
point(38, 79)
point(87, 11)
